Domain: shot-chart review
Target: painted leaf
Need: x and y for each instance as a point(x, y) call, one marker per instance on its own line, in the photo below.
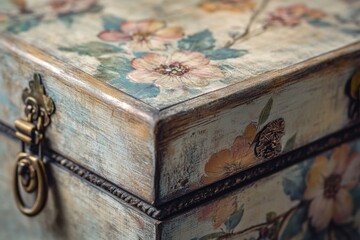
point(17, 25)
point(290, 143)
point(295, 223)
point(351, 31)
point(250, 132)
point(95, 49)
point(320, 23)
point(224, 53)
point(355, 84)
point(294, 184)
point(265, 113)
point(234, 219)
point(270, 216)
point(198, 42)
point(112, 23)
point(114, 71)
point(212, 236)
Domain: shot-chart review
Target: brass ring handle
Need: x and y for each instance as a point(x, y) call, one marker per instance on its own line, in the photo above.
point(30, 173)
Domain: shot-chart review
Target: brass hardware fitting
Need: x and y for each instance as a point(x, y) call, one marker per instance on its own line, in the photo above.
point(30, 171)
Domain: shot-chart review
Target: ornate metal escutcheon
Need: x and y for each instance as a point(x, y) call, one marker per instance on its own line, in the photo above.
point(30, 174)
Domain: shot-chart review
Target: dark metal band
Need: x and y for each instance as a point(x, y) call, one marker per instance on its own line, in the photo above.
point(212, 191)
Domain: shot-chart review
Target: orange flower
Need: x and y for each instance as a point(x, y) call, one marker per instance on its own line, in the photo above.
point(328, 186)
point(229, 161)
point(227, 5)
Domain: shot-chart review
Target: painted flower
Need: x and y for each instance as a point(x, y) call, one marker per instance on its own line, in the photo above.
point(268, 144)
point(291, 16)
point(229, 161)
point(328, 186)
point(143, 35)
point(227, 5)
point(190, 69)
point(62, 7)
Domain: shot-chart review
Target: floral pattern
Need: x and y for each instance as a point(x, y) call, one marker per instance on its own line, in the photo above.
point(143, 35)
point(114, 42)
point(325, 194)
point(329, 182)
point(190, 69)
point(253, 146)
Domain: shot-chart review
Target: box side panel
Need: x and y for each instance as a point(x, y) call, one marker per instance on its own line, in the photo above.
point(215, 142)
point(295, 203)
point(74, 210)
point(113, 142)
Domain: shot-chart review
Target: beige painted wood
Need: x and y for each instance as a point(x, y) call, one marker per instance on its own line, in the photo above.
point(161, 155)
point(74, 210)
point(97, 126)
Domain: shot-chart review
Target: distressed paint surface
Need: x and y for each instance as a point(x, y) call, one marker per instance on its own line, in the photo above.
point(74, 210)
point(253, 37)
point(123, 153)
point(292, 204)
point(204, 150)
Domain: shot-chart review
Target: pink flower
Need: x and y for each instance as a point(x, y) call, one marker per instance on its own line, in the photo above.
point(62, 7)
point(143, 35)
point(328, 186)
point(191, 69)
point(291, 16)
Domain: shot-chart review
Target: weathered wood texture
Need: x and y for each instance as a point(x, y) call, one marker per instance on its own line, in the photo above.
point(163, 139)
point(291, 204)
point(95, 125)
point(74, 210)
point(310, 97)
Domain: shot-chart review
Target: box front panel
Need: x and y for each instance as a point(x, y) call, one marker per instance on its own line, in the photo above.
point(318, 198)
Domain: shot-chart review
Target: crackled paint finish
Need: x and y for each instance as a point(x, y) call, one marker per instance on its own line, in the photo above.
point(161, 57)
point(316, 199)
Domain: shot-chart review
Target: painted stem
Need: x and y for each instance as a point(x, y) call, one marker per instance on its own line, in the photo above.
point(283, 218)
point(248, 27)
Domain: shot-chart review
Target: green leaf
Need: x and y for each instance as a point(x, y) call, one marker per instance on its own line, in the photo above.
point(224, 53)
point(212, 236)
point(234, 219)
point(95, 49)
point(198, 42)
point(20, 24)
point(295, 223)
point(112, 23)
point(290, 143)
point(265, 113)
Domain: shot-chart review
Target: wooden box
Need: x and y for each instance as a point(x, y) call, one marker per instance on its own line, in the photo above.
point(194, 119)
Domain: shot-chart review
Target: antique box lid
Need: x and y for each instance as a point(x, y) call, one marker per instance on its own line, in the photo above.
point(163, 98)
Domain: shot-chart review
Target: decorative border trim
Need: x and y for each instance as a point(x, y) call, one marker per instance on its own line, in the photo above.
point(212, 191)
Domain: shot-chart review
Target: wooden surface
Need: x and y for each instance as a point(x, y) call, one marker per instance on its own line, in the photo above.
point(100, 131)
point(74, 210)
point(283, 206)
point(158, 142)
point(252, 38)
